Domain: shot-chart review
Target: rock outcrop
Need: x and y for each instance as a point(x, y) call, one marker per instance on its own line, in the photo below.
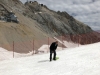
point(56, 22)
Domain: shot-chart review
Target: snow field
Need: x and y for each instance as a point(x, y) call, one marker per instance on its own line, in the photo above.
point(84, 60)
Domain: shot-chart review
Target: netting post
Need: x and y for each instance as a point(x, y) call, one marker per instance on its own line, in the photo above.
point(86, 39)
point(33, 46)
point(62, 42)
point(48, 44)
point(78, 40)
point(13, 49)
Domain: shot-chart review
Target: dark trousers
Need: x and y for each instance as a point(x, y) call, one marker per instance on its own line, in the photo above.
point(54, 57)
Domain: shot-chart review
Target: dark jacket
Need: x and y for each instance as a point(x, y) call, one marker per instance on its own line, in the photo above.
point(53, 46)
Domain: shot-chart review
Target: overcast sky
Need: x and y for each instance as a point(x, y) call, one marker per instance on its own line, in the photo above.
point(87, 11)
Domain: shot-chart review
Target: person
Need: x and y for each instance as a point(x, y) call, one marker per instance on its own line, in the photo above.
point(53, 48)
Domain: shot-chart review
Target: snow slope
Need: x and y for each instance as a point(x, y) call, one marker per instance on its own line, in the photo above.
point(83, 60)
point(5, 54)
point(67, 44)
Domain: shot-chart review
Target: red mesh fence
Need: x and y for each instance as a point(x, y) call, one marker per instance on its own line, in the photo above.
point(34, 45)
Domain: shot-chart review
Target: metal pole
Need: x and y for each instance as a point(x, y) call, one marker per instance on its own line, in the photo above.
point(62, 42)
point(91, 40)
point(86, 39)
point(78, 40)
point(33, 46)
point(48, 44)
point(13, 49)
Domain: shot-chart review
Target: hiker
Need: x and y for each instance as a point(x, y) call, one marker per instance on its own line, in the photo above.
point(53, 48)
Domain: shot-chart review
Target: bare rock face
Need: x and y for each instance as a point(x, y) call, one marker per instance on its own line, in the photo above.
point(59, 22)
point(2, 10)
point(48, 20)
point(37, 22)
point(33, 6)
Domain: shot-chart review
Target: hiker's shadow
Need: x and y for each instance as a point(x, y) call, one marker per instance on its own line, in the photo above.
point(43, 61)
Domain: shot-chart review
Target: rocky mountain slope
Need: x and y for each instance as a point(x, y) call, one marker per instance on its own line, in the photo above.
point(36, 22)
point(58, 22)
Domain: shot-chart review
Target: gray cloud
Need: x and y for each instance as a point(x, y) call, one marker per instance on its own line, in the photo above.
point(87, 11)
